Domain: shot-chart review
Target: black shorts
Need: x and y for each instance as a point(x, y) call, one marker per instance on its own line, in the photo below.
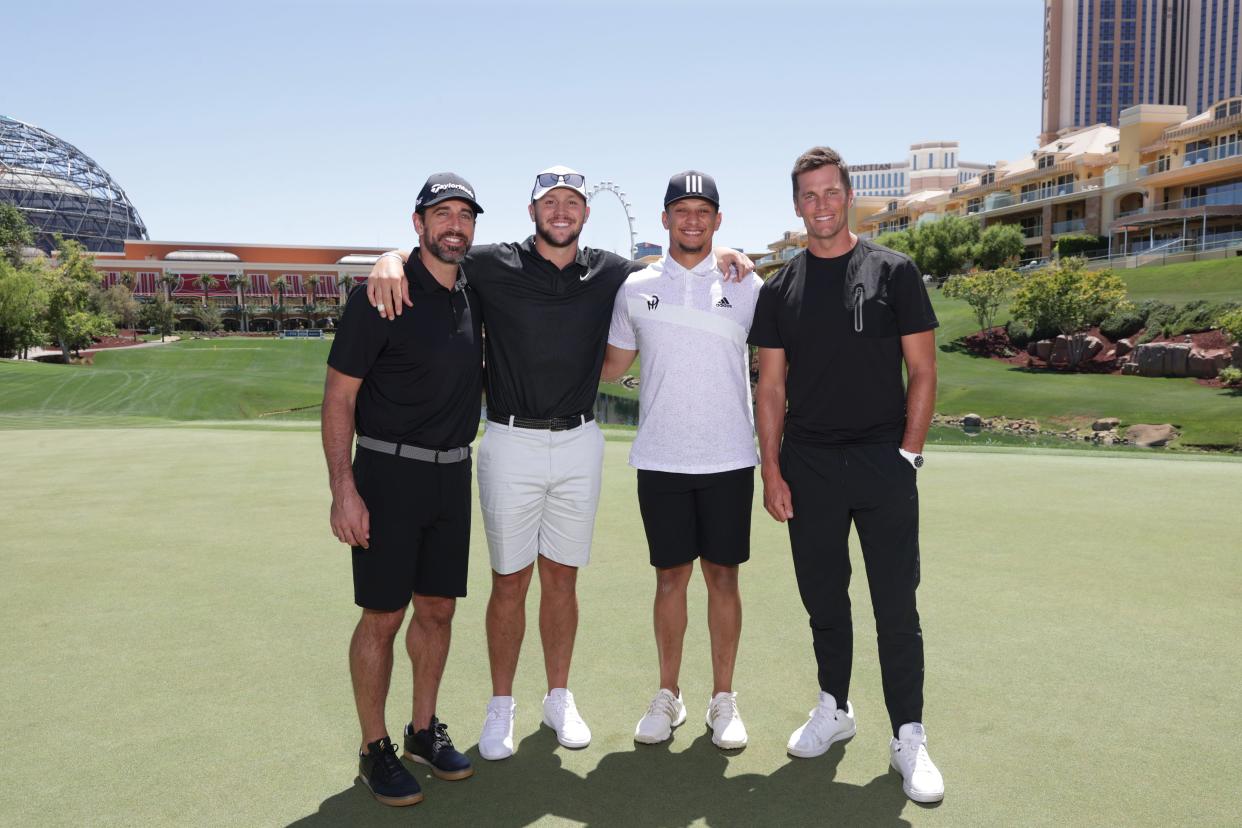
point(420, 529)
point(688, 516)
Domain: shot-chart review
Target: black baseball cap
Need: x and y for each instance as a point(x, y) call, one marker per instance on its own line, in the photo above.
point(692, 184)
point(442, 187)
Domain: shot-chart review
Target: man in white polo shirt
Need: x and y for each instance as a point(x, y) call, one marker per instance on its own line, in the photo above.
point(695, 448)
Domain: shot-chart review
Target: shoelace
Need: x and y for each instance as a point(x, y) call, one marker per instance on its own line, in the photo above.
point(388, 764)
point(440, 739)
point(821, 717)
point(922, 761)
point(497, 720)
point(564, 705)
point(725, 706)
point(663, 705)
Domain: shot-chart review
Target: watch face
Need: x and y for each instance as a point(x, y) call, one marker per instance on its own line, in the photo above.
point(918, 461)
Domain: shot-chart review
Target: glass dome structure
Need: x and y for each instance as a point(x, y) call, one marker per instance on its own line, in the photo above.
point(59, 189)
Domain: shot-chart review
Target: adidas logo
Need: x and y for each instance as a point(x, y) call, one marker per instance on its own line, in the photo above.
point(723, 303)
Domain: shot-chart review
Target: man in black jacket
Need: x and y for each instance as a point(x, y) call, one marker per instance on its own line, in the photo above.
point(833, 329)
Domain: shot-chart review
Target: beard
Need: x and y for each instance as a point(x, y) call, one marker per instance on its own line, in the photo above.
point(436, 247)
point(544, 231)
point(691, 249)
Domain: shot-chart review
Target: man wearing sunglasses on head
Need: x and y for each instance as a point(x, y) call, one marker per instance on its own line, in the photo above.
point(548, 304)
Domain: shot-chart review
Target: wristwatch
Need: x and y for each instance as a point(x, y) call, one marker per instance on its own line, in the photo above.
point(913, 459)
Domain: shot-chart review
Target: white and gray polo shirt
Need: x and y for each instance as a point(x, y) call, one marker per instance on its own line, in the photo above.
point(690, 328)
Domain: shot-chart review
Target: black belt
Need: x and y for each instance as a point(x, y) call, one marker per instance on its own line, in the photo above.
point(552, 424)
point(455, 455)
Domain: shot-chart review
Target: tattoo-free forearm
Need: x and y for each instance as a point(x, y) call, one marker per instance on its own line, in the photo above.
point(337, 427)
point(920, 404)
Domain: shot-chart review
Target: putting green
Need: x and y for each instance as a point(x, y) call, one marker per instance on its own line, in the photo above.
point(176, 616)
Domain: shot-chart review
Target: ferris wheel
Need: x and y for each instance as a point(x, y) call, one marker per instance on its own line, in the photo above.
point(611, 187)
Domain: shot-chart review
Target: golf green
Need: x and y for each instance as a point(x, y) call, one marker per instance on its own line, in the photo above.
point(176, 618)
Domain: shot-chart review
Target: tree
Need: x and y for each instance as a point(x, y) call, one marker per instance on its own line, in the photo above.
point(280, 284)
point(998, 246)
point(943, 246)
point(23, 303)
point(168, 281)
point(900, 240)
point(205, 283)
point(312, 285)
point(15, 233)
point(241, 283)
point(209, 317)
point(69, 321)
point(159, 314)
point(984, 291)
point(1068, 297)
point(118, 305)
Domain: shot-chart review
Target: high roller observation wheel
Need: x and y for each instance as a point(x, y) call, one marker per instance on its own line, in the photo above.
point(611, 187)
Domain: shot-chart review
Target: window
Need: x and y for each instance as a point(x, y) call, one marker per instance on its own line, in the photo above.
point(1046, 161)
point(1106, 30)
point(930, 160)
point(973, 205)
point(1127, 30)
point(987, 178)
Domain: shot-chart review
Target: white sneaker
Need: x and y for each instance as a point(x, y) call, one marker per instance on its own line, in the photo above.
point(921, 780)
point(496, 740)
point(561, 714)
point(665, 713)
point(826, 726)
point(728, 732)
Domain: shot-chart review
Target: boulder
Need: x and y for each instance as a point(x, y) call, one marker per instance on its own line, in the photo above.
point(1060, 351)
point(1124, 346)
point(1129, 369)
point(1237, 355)
point(972, 421)
point(1094, 346)
point(1177, 360)
point(1207, 363)
point(1043, 349)
point(1150, 436)
point(1032, 348)
point(1105, 424)
point(1150, 359)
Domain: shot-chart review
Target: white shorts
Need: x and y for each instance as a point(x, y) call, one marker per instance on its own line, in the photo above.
point(538, 491)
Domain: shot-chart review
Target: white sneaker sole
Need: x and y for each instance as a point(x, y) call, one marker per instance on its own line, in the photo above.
point(495, 757)
point(844, 736)
point(727, 744)
point(916, 796)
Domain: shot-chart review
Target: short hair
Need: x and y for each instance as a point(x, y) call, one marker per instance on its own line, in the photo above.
point(817, 157)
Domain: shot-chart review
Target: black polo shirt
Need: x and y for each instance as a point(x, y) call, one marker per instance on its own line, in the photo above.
point(422, 373)
point(546, 327)
point(840, 322)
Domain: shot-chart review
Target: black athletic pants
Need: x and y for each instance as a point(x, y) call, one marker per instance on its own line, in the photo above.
point(873, 487)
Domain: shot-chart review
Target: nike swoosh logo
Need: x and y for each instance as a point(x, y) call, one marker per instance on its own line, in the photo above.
point(586, 276)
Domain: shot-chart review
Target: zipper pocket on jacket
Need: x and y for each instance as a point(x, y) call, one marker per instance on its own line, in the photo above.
point(858, 309)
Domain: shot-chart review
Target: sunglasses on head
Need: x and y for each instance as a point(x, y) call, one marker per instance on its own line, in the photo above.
point(553, 179)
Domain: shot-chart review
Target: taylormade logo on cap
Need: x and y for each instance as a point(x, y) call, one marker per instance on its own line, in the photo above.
point(435, 188)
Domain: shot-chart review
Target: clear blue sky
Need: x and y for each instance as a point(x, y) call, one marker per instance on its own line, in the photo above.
point(316, 123)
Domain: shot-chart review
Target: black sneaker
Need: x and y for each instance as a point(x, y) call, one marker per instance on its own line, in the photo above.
point(434, 747)
point(382, 772)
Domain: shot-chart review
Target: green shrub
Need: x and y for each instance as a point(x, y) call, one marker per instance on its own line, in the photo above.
point(1152, 333)
point(1123, 323)
point(1020, 333)
point(1231, 323)
point(1230, 376)
point(1154, 311)
point(1080, 244)
point(1198, 316)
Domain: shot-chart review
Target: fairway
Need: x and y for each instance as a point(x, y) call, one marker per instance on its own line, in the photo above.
point(176, 616)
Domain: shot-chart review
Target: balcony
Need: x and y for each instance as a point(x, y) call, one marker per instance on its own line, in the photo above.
point(1031, 234)
point(1209, 154)
point(1069, 226)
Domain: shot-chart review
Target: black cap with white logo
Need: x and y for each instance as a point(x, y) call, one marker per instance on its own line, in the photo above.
point(442, 187)
point(691, 184)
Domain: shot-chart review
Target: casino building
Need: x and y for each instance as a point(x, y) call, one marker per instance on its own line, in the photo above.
point(256, 287)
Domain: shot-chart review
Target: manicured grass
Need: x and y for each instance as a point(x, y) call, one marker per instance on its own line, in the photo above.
point(176, 616)
point(210, 379)
point(1207, 416)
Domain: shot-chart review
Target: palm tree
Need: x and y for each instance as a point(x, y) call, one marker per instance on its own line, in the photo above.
point(312, 285)
point(205, 283)
point(280, 284)
point(168, 281)
point(241, 283)
point(128, 279)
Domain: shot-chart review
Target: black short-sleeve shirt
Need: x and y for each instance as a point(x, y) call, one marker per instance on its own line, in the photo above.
point(546, 327)
point(422, 373)
point(840, 322)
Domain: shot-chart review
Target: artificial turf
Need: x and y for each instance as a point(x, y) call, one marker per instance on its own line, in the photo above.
point(176, 616)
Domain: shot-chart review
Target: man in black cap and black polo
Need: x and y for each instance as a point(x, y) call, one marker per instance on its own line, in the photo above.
point(411, 392)
point(695, 448)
